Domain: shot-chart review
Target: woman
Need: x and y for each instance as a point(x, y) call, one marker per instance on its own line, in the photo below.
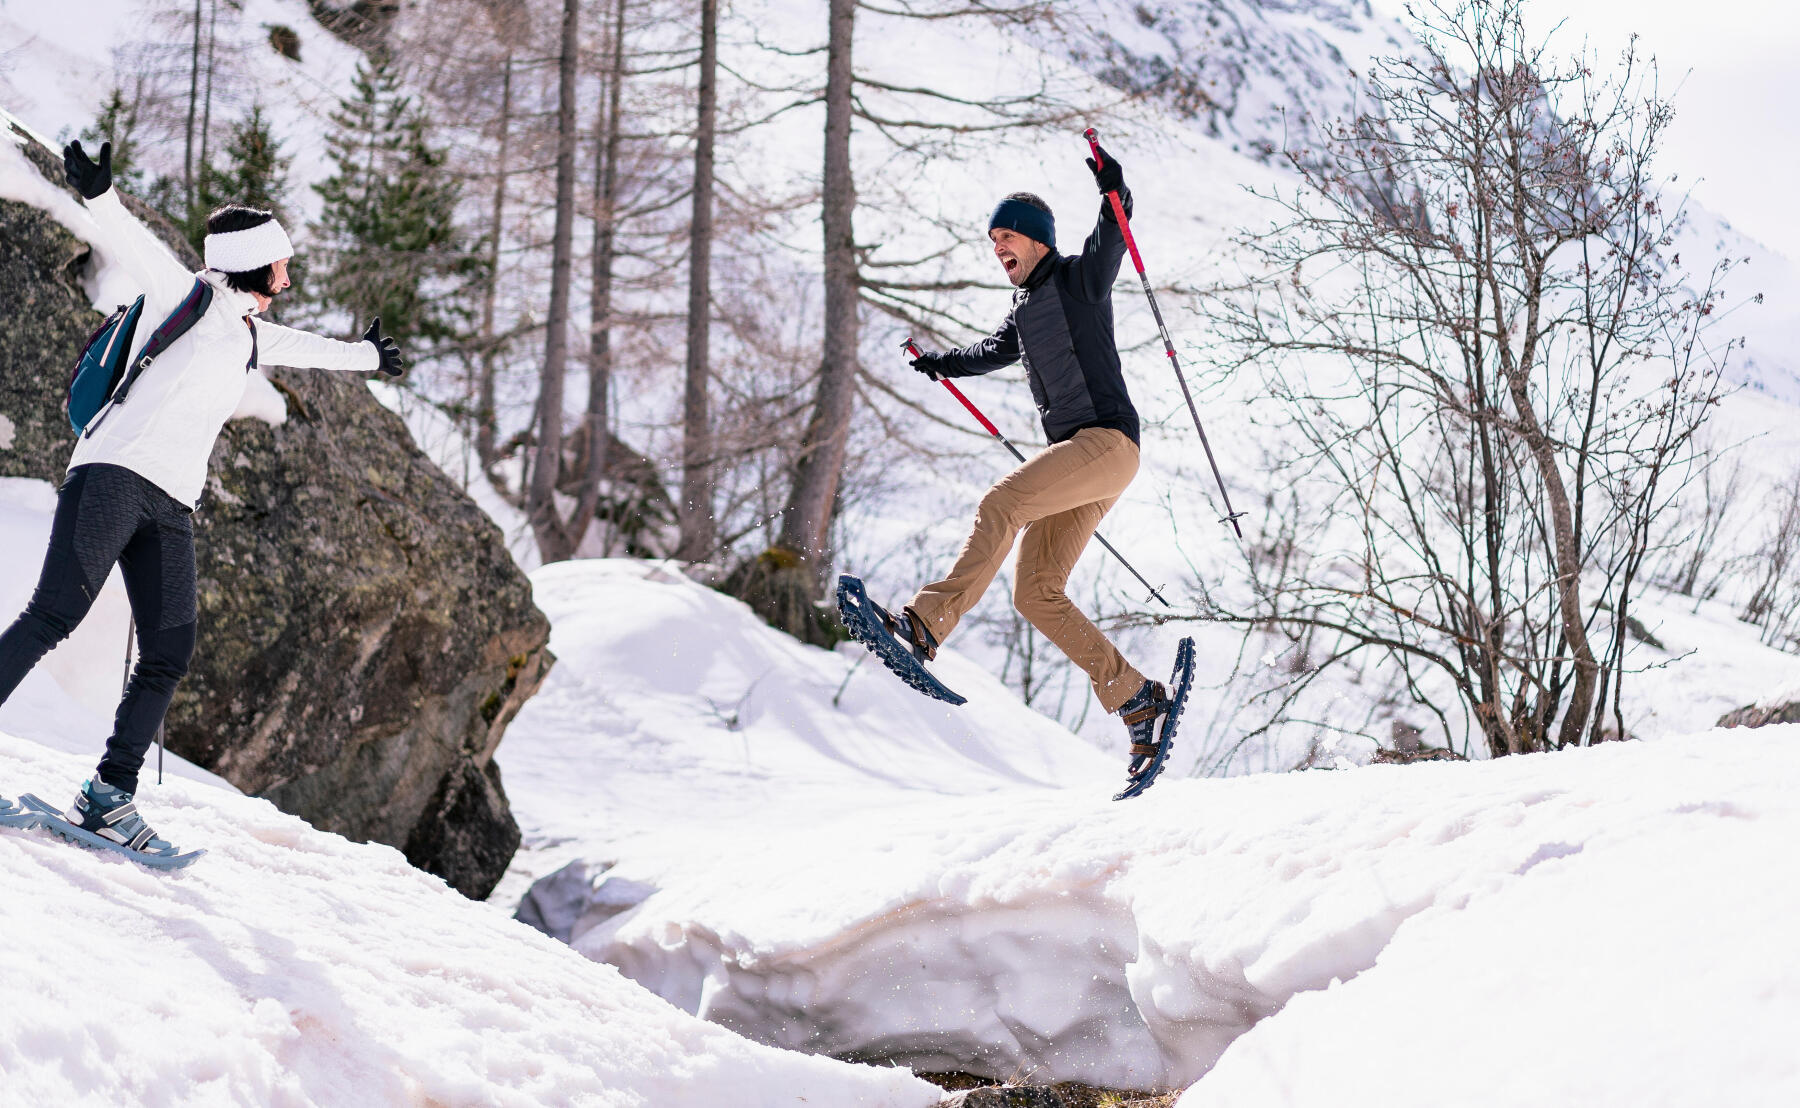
point(139, 468)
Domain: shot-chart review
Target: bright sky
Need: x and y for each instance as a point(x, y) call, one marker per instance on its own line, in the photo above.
point(1731, 67)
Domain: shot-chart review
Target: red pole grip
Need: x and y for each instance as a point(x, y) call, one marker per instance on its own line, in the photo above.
point(912, 348)
point(1118, 206)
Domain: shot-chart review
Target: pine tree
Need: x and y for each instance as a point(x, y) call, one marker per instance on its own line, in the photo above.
point(387, 241)
point(117, 123)
point(254, 173)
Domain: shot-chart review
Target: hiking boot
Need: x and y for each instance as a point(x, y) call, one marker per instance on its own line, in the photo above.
point(911, 630)
point(1141, 713)
point(111, 814)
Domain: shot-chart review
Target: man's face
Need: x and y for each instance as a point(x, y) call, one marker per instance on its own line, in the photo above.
point(278, 280)
point(1018, 254)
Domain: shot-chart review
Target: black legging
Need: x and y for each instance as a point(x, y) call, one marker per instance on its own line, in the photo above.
point(107, 514)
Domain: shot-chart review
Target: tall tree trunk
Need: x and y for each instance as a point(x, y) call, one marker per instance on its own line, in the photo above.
point(553, 539)
point(697, 529)
point(606, 199)
point(486, 419)
point(187, 163)
point(212, 47)
point(806, 521)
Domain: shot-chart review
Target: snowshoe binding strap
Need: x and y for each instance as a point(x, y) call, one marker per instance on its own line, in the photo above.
point(118, 822)
point(1159, 704)
point(911, 630)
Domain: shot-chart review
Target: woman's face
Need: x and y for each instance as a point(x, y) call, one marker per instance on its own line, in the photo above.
point(278, 280)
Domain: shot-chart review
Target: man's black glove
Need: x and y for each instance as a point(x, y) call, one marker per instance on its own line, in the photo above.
point(931, 365)
point(385, 346)
point(1107, 174)
point(89, 179)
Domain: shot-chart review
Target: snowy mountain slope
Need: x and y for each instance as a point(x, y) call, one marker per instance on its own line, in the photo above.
point(1255, 73)
point(59, 61)
point(1659, 973)
point(291, 967)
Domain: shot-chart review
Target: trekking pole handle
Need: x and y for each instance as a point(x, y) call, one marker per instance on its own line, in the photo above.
point(912, 348)
point(1118, 208)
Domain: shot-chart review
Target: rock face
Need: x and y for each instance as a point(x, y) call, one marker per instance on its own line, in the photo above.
point(1754, 715)
point(365, 637)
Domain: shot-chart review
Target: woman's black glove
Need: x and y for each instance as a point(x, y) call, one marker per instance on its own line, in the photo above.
point(1107, 174)
point(386, 347)
point(89, 179)
point(931, 365)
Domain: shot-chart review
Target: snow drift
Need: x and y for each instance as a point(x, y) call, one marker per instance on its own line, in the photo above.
point(767, 843)
point(292, 967)
point(1629, 901)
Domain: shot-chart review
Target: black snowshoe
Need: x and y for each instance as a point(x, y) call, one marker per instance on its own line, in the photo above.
point(1152, 742)
point(874, 626)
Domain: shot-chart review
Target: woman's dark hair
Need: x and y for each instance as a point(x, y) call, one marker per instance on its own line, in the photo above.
point(242, 217)
point(1034, 200)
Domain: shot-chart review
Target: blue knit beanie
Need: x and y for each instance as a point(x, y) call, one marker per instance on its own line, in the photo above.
point(1027, 219)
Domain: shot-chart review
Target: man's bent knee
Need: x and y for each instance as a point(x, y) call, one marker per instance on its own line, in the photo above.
point(1038, 602)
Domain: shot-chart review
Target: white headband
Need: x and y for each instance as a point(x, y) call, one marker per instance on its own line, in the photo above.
point(251, 248)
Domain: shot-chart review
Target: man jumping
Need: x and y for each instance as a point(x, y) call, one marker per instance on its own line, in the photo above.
point(1061, 327)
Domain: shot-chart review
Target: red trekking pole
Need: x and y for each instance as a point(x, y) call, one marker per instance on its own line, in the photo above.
point(912, 348)
point(1137, 259)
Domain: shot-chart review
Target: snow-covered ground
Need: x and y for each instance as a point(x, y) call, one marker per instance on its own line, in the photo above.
point(676, 718)
point(291, 967)
point(841, 879)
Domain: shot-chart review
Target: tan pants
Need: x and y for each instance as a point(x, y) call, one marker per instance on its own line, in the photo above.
point(1057, 499)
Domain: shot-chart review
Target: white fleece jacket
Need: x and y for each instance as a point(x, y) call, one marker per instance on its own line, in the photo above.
point(166, 428)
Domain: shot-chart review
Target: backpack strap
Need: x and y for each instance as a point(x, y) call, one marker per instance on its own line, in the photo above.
point(180, 321)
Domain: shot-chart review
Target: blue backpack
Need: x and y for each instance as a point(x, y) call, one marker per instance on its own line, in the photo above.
point(104, 373)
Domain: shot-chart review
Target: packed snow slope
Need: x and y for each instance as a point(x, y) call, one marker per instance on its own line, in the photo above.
point(292, 967)
point(678, 720)
point(766, 840)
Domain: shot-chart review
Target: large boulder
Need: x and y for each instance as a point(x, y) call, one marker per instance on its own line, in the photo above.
point(365, 637)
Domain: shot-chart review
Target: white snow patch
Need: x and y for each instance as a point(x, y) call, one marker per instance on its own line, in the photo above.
point(293, 967)
point(675, 717)
point(1635, 895)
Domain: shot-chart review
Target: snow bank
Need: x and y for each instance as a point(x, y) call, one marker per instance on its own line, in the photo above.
point(1627, 971)
point(1604, 907)
point(676, 720)
point(292, 967)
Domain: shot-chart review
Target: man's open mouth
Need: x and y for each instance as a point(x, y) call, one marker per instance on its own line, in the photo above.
point(1010, 263)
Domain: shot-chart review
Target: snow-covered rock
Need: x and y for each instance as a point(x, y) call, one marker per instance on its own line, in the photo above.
point(292, 967)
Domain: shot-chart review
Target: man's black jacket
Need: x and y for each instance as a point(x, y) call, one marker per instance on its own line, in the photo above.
point(1061, 326)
